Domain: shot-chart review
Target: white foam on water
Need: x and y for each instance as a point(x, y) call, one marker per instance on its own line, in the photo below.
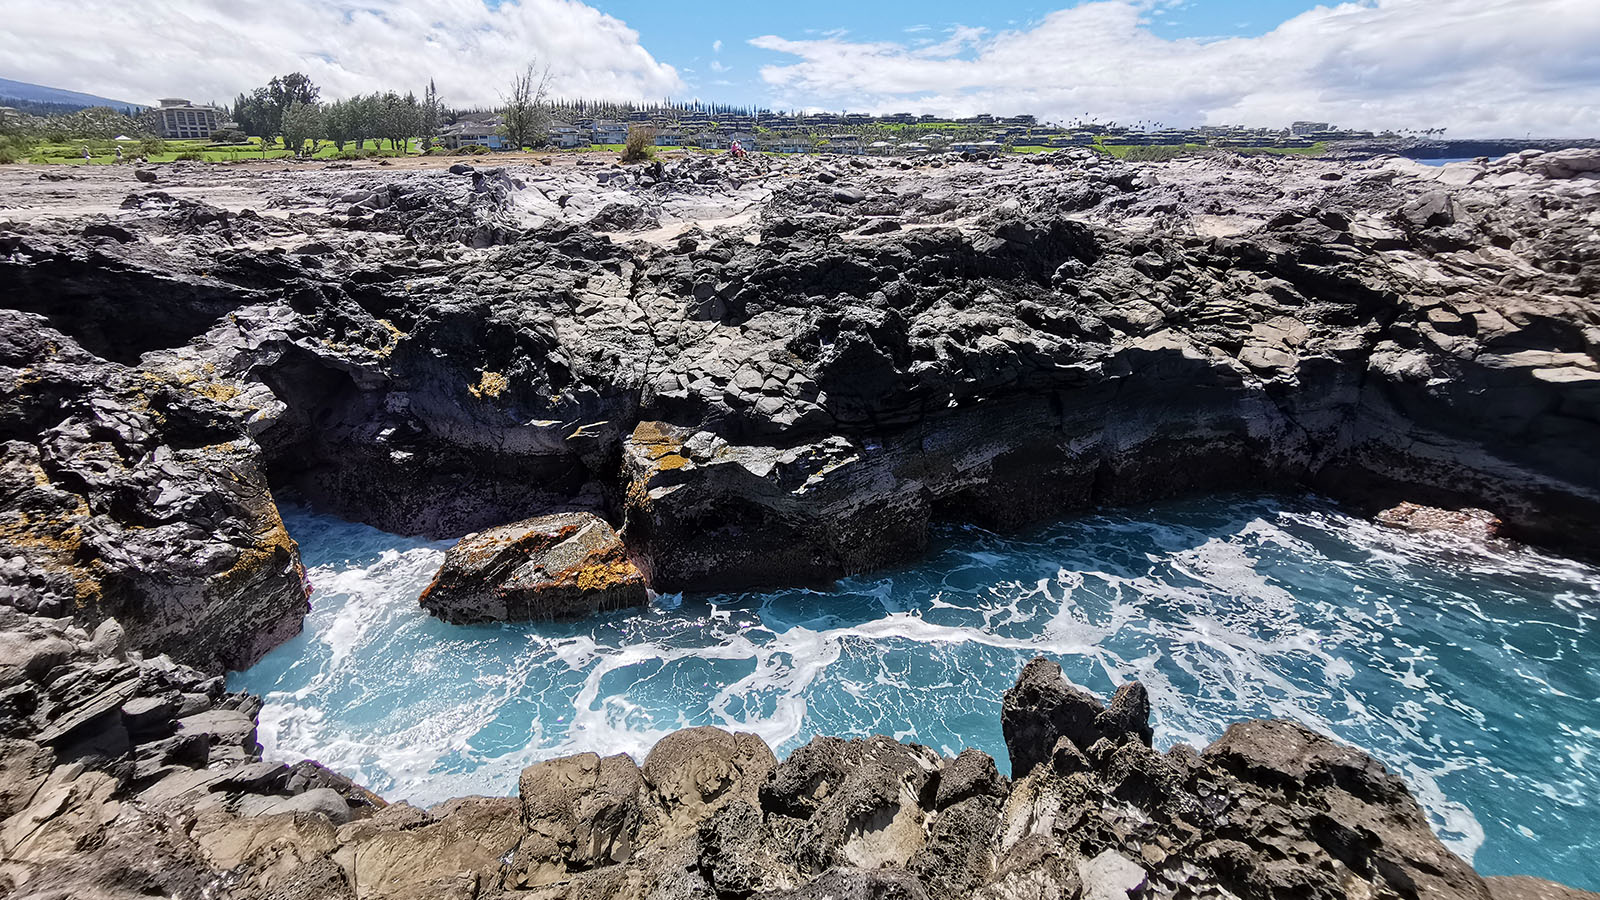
point(1226, 610)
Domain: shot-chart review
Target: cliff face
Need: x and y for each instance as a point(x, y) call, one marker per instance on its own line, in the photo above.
point(789, 392)
point(767, 373)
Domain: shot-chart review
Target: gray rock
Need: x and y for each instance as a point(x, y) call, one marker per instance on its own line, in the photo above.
point(321, 801)
point(555, 567)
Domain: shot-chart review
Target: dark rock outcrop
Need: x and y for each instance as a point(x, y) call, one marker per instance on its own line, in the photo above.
point(1272, 810)
point(793, 394)
point(562, 566)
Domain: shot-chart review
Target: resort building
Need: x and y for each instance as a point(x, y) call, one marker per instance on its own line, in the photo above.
point(178, 118)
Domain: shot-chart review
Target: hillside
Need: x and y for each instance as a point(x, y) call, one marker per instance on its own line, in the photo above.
point(36, 93)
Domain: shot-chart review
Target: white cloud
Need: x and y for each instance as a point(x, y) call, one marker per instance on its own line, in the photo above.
point(716, 46)
point(1478, 67)
point(213, 49)
point(717, 66)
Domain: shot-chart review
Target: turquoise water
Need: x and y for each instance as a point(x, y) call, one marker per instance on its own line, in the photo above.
point(1470, 672)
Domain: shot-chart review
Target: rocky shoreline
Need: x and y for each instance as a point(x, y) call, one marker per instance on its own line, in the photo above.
point(122, 777)
point(762, 372)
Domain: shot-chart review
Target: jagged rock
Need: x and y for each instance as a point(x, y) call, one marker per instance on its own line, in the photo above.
point(462, 842)
point(1474, 524)
point(554, 567)
point(1043, 707)
point(1367, 822)
point(863, 801)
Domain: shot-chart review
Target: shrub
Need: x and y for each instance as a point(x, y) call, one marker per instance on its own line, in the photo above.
point(641, 143)
point(152, 146)
point(190, 156)
point(228, 136)
point(9, 156)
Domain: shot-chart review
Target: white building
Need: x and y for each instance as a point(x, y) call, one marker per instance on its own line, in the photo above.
point(178, 118)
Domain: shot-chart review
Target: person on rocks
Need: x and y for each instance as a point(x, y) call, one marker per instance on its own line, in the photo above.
point(736, 150)
point(85, 153)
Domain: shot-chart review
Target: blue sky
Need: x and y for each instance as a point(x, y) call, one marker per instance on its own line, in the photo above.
point(686, 41)
point(1480, 68)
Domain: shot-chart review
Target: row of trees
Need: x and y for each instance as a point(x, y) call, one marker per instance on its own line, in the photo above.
point(288, 107)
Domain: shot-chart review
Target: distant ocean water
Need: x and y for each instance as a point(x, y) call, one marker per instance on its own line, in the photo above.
point(1471, 673)
point(1441, 162)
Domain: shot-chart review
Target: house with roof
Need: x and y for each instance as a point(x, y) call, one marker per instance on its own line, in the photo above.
point(605, 132)
point(483, 133)
point(567, 136)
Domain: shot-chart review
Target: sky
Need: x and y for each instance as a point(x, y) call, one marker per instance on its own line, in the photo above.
point(1480, 68)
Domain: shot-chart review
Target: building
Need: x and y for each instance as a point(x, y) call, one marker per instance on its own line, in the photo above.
point(610, 133)
point(475, 134)
point(178, 118)
point(567, 137)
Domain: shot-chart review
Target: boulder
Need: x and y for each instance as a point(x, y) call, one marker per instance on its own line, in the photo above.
point(563, 566)
point(1474, 524)
point(694, 772)
point(320, 801)
point(462, 842)
point(1347, 806)
point(580, 812)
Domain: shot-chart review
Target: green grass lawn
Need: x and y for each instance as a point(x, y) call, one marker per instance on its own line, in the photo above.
point(104, 152)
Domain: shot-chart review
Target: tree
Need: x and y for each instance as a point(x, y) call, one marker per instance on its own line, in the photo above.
point(398, 118)
point(526, 116)
point(339, 121)
point(260, 112)
point(431, 111)
point(302, 122)
point(292, 88)
point(256, 115)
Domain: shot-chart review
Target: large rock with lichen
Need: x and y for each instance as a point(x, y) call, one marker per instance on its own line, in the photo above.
point(137, 495)
point(562, 566)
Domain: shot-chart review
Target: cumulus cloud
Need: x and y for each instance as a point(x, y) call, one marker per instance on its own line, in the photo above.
point(213, 49)
point(1477, 67)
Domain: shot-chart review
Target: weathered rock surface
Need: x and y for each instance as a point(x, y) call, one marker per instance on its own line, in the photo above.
point(1272, 810)
point(774, 371)
point(562, 566)
point(1475, 524)
point(767, 376)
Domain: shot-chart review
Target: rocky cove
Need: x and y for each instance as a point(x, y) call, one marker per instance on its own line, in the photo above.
point(761, 373)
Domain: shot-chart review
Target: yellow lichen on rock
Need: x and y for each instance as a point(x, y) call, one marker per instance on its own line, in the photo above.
point(490, 384)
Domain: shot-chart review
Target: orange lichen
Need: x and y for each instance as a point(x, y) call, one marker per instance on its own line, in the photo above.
point(490, 384)
point(606, 574)
point(273, 546)
point(670, 461)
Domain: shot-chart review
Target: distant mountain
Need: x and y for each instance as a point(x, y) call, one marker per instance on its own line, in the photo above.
point(36, 93)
